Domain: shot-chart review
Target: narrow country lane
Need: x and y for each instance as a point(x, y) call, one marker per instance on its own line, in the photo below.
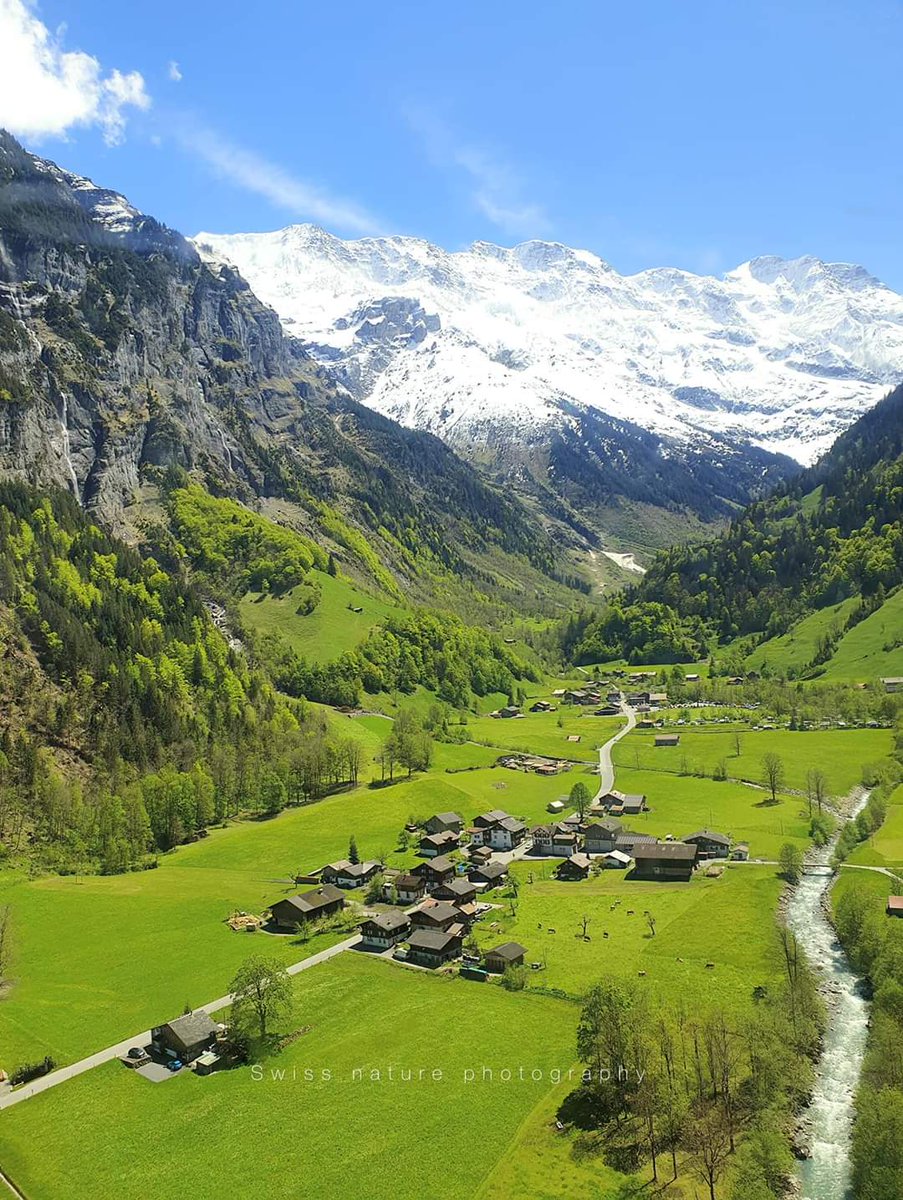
point(606, 767)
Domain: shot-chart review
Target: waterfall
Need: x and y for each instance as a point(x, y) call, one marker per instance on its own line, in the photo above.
point(67, 447)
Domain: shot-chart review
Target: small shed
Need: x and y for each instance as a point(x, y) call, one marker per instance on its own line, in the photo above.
point(895, 906)
point(667, 739)
point(509, 954)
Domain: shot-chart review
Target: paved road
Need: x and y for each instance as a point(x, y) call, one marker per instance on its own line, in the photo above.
point(606, 767)
point(142, 1039)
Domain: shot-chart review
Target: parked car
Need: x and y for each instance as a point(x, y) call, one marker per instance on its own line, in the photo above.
point(174, 1064)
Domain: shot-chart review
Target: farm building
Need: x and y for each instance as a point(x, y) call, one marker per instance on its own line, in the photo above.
point(667, 739)
point(447, 822)
point(626, 840)
point(893, 683)
point(740, 852)
point(555, 807)
point(295, 910)
point(664, 861)
point(709, 844)
point(433, 947)
point(542, 706)
point(384, 930)
point(185, 1038)
point(895, 906)
point(617, 859)
point(500, 958)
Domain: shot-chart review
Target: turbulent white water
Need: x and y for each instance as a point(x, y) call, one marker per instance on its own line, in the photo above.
point(826, 1175)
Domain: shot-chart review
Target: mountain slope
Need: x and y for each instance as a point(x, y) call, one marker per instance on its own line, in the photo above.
point(124, 352)
point(798, 572)
point(546, 364)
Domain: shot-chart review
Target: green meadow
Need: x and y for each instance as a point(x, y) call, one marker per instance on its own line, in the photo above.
point(290, 1139)
point(331, 629)
point(874, 647)
point(840, 753)
point(795, 650)
point(885, 847)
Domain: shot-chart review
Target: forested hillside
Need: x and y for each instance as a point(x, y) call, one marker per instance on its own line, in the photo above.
point(834, 534)
point(124, 353)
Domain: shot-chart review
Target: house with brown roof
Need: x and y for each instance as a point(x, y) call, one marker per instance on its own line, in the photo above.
point(709, 844)
point(435, 914)
point(446, 822)
point(667, 739)
point(565, 841)
point(345, 874)
point(434, 844)
point(409, 888)
point(457, 891)
point(500, 958)
point(435, 871)
point(894, 906)
point(186, 1038)
point(576, 867)
point(498, 830)
point(672, 861)
point(542, 839)
point(488, 876)
point(600, 836)
point(434, 947)
point(383, 930)
point(298, 910)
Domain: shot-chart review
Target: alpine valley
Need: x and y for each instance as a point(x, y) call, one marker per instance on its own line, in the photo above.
point(329, 687)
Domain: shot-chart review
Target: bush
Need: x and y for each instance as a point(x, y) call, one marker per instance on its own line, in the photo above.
point(29, 1071)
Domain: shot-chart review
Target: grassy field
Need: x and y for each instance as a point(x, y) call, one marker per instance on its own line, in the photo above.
point(794, 650)
point(874, 647)
point(840, 753)
point(885, 848)
point(690, 923)
point(540, 733)
point(302, 1140)
point(330, 629)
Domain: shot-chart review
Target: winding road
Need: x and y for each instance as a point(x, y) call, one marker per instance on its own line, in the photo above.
point(606, 766)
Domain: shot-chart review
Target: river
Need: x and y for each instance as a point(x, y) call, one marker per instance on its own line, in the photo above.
point(826, 1175)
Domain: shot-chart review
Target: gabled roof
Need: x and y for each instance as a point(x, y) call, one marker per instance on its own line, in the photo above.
point(492, 817)
point(580, 861)
point(459, 887)
point(607, 827)
point(389, 922)
point(511, 824)
point(437, 910)
point(492, 870)
point(192, 1028)
point(709, 836)
point(677, 851)
point(508, 951)
point(352, 870)
point(448, 818)
point(407, 882)
point(432, 939)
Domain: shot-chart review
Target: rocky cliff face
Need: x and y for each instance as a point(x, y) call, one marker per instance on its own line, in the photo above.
point(123, 349)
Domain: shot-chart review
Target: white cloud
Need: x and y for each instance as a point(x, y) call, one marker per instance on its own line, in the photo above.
point(495, 186)
point(249, 170)
point(174, 72)
point(46, 90)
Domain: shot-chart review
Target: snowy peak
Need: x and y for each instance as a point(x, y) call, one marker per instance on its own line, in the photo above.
point(492, 342)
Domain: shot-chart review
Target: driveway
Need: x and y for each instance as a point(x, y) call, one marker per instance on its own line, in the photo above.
point(142, 1039)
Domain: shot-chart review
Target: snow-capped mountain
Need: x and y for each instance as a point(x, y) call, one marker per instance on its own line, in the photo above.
point(489, 345)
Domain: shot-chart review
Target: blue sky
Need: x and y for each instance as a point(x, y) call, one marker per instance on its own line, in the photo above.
point(654, 133)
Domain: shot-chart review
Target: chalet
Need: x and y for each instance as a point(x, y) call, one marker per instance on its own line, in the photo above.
point(500, 958)
point(657, 699)
point(646, 723)
point(672, 861)
point(633, 804)
point(667, 739)
point(456, 891)
point(479, 855)
point(564, 841)
point(542, 706)
point(433, 947)
point(617, 859)
point(740, 852)
point(542, 838)
point(600, 837)
point(576, 867)
point(636, 698)
point(186, 1038)
point(498, 830)
point(734, 681)
point(435, 871)
point(296, 910)
point(893, 683)
point(694, 678)
point(383, 930)
point(488, 876)
point(510, 710)
point(439, 843)
point(552, 766)
point(346, 874)
point(614, 697)
point(709, 844)
point(447, 822)
point(555, 807)
point(607, 710)
point(409, 888)
point(435, 914)
point(895, 906)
